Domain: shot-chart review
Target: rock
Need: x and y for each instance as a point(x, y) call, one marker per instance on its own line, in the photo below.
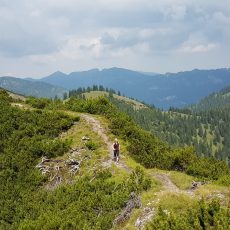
point(39, 166)
point(74, 150)
point(56, 161)
point(146, 216)
point(45, 159)
point(196, 185)
point(57, 167)
point(58, 180)
point(133, 202)
point(84, 138)
point(74, 169)
point(46, 170)
point(72, 162)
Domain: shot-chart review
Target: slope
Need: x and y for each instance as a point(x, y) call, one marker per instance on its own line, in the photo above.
point(214, 101)
point(95, 94)
point(14, 96)
point(207, 131)
point(31, 88)
point(98, 191)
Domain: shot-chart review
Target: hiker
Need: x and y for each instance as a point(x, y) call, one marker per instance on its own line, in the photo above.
point(116, 150)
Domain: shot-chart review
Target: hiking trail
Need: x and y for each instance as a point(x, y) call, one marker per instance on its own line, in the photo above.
point(101, 131)
point(148, 211)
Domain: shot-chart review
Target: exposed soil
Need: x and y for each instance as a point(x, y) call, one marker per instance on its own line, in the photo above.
point(167, 183)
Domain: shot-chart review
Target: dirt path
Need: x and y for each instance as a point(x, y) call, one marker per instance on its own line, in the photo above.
point(168, 185)
point(149, 211)
point(97, 127)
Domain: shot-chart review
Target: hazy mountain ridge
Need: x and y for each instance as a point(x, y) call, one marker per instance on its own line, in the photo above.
point(31, 88)
point(163, 90)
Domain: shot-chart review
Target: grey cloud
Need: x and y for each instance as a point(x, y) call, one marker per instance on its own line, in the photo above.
point(182, 23)
point(23, 34)
point(41, 27)
point(159, 39)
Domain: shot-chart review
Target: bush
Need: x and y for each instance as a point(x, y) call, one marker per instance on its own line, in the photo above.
point(138, 181)
point(38, 103)
point(202, 216)
point(147, 149)
point(183, 158)
point(208, 168)
point(224, 180)
point(24, 137)
point(91, 145)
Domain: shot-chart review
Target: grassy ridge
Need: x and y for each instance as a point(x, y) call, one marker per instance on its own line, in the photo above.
point(91, 202)
point(96, 196)
point(146, 148)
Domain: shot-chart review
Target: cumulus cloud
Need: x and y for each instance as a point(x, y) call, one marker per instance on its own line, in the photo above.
point(150, 34)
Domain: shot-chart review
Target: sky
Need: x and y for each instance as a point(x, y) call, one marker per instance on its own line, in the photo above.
point(39, 37)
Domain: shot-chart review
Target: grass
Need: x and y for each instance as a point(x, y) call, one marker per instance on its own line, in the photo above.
point(148, 199)
point(75, 135)
point(173, 202)
point(100, 154)
point(94, 94)
point(176, 203)
point(119, 175)
point(181, 180)
point(136, 104)
point(21, 105)
point(16, 96)
point(212, 190)
point(155, 196)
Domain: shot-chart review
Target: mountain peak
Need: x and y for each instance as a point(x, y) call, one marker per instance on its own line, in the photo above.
point(58, 73)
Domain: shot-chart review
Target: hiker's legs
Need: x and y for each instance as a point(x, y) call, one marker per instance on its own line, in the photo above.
point(117, 158)
point(114, 155)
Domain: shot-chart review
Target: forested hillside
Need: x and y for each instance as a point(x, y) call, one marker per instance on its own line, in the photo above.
point(214, 101)
point(207, 130)
point(94, 196)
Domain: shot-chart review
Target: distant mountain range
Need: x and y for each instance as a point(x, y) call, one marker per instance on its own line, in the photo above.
point(31, 88)
point(162, 90)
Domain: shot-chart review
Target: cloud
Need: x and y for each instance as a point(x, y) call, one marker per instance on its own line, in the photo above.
point(151, 34)
point(199, 48)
